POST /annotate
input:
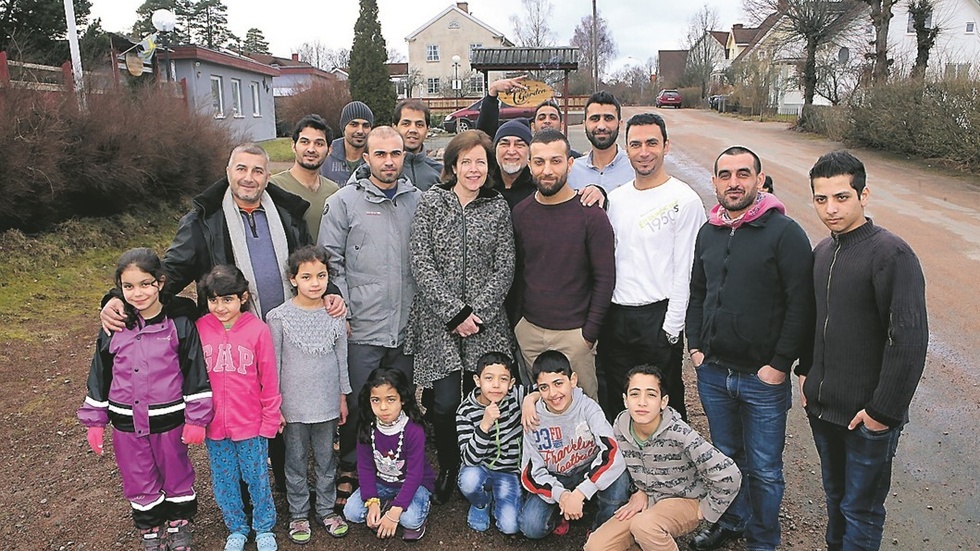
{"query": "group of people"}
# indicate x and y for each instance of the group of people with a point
(565, 283)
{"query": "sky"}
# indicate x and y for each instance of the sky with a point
(639, 27)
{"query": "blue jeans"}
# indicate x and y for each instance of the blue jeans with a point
(480, 485)
(857, 471)
(747, 421)
(232, 462)
(538, 517)
(412, 517)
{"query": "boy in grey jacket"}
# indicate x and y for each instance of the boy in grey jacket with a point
(678, 478)
(570, 457)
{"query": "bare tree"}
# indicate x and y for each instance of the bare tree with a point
(317, 54)
(532, 28)
(605, 50)
(925, 37)
(881, 16)
(703, 53)
(396, 56)
(837, 75)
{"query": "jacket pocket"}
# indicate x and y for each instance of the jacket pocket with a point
(737, 335)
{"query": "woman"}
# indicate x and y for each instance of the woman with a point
(463, 261)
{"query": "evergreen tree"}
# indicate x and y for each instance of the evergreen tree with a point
(255, 42)
(182, 9)
(209, 24)
(35, 30)
(369, 80)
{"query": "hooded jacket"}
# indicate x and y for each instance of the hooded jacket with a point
(335, 167)
(367, 237)
(751, 289)
(423, 171)
(676, 461)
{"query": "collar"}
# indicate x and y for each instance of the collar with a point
(856, 235)
(620, 153)
(394, 428)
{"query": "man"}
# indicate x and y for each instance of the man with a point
(606, 166)
(749, 318)
(346, 152)
(547, 114)
(869, 352)
(365, 228)
(412, 122)
(565, 251)
(655, 219)
(311, 145)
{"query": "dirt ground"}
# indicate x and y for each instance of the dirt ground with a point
(56, 495)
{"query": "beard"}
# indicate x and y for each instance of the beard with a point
(385, 179)
(311, 166)
(603, 142)
(547, 189)
(512, 168)
(740, 204)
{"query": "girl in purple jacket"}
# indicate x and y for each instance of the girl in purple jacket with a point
(149, 380)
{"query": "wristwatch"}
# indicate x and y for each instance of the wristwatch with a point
(672, 339)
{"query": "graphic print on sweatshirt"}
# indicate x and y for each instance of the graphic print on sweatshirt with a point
(660, 217)
(562, 453)
(224, 359)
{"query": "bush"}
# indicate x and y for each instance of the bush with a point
(129, 147)
(326, 100)
(691, 97)
(832, 121)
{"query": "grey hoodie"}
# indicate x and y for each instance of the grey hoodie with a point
(677, 462)
(422, 170)
(367, 235)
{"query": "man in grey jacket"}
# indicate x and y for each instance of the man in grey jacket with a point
(412, 122)
(365, 229)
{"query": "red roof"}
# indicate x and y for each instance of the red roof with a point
(222, 58)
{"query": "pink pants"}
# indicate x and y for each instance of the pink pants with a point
(155, 469)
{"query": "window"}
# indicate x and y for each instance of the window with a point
(474, 45)
(432, 86)
(476, 84)
(957, 70)
(911, 27)
(432, 52)
(236, 98)
(217, 97)
(256, 100)
(971, 27)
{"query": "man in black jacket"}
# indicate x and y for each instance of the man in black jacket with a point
(749, 319)
(869, 351)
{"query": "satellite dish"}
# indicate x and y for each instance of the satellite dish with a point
(164, 20)
(843, 55)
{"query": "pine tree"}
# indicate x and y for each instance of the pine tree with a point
(34, 30)
(182, 9)
(209, 24)
(369, 80)
(255, 42)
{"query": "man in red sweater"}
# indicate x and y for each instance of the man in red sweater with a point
(568, 270)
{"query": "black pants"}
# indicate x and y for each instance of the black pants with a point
(634, 335)
(441, 402)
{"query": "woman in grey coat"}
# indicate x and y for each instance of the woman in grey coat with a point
(462, 256)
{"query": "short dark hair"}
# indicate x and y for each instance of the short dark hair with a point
(550, 135)
(768, 186)
(603, 97)
(463, 142)
(646, 369)
(494, 358)
(548, 103)
(315, 122)
(551, 361)
(837, 163)
(739, 150)
(414, 105)
(646, 119)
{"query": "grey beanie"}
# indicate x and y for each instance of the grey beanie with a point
(517, 127)
(356, 110)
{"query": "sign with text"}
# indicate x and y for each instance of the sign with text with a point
(535, 93)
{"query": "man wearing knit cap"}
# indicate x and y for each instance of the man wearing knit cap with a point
(546, 114)
(511, 143)
(356, 120)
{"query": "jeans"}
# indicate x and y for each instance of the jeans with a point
(413, 517)
(747, 421)
(857, 470)
(480, 485)
(300, 438)
(538, 517)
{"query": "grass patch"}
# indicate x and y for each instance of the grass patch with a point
(280, 150)
(47, 281)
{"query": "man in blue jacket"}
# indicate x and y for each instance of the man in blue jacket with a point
(346, 152)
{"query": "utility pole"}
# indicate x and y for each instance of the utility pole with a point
(595, 48)
(76, 58)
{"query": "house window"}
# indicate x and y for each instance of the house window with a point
(971, 27)
(476, 84)
(957, 70)
(432, 52)
(256, 103)
(911, 27)
(432, 86)
(236, 97)
(217, 97)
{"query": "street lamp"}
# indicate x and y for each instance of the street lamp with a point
(457, 85)
(164, 21)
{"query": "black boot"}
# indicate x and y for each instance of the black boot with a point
(447, 451)
(713, 536)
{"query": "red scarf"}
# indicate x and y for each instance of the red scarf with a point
(764, 202)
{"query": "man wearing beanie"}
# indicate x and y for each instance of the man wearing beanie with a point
(511, 146)
(346, 152)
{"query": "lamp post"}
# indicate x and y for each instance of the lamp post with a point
(164, 21)
(457, 85)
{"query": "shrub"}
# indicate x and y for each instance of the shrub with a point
(831, 121)
(691, 97)
(324, 99)
(129, 147)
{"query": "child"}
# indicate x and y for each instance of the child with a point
(155, 392)
(570, 457)
(488, 423)
(391, 461)
(678, 477)
(311, 348)
(242, 364)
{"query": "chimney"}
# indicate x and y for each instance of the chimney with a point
(737, 26)
(295, 56)
(464, 6)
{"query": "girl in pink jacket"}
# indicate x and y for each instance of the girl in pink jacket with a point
(241, 364)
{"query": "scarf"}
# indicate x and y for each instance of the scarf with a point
(764, 202)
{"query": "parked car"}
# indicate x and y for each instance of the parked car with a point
(721, 102)
(669, 97)
(464, 119)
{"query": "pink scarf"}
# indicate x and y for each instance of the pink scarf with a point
(764, 202)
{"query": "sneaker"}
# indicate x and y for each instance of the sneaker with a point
(299, 531)
(335, 525)
(154, 539)
(179, 536)
(479, 519)
(235, 542)
(414, 535)
(561, 528)
(266, 541)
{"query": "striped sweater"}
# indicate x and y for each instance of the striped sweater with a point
(500, 449)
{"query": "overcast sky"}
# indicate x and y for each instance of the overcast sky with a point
(640, 27)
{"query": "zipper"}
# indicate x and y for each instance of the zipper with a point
(826, 320)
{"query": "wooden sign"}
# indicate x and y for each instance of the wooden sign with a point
(535, 93)
(134, 64)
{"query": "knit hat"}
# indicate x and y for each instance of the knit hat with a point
(517, 128)
(356, 110)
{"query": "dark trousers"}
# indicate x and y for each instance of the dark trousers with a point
(857, 471)
(634, 335)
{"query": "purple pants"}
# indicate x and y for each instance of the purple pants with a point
(157, 476)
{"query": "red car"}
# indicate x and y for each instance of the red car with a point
(465, 119)
(669, 97)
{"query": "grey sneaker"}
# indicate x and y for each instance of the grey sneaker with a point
(154, 539)
(179, 536)
(414, 535)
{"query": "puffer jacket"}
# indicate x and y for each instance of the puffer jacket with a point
(366, 235)
(423, 171)
(463, 263)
